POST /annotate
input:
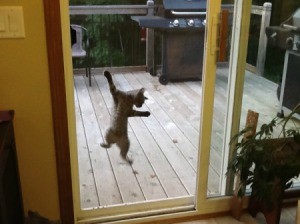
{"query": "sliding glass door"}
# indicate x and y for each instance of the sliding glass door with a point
(181, 150)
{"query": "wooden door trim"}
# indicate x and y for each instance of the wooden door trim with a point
(59, 108)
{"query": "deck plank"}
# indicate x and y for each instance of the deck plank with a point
(88, 192)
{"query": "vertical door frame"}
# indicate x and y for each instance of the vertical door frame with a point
(208, 91)
(237, 68)
(59, 109)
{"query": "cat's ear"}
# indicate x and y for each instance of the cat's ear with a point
(142, 90)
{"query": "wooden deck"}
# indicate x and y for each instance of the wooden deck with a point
(164, 146)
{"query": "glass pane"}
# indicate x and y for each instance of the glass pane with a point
(164, 145)
(265, 76)
(273, 91)
(271, 82)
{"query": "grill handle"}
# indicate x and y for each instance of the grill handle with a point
(290, 27)
(179, 13)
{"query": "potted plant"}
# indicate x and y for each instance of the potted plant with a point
(267, 163)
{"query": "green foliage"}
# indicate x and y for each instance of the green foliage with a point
(114, 39)
(106, 2)
(265, 162)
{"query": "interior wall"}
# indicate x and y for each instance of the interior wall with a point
(25, 88)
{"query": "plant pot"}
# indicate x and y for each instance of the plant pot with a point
(282, 148)
(283, 151)
(272, 215)
(270, 209)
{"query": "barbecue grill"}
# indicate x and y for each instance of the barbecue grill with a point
(181, 24)
(287, 37)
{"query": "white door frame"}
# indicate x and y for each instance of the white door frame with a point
(237, 65)
(237, 68)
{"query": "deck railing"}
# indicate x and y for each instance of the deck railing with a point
(108, 10)
(265, 13)
(84, 10)
(257, 45)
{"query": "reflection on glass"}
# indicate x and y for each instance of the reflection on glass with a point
(276, 91)
(271, 84)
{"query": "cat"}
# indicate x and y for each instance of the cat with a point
(122, 109)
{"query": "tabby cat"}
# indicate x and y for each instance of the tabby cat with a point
(122, 109)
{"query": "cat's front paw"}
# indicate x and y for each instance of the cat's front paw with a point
(130, 161)
(147, 114)
(104, 145)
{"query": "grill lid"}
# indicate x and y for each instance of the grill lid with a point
(185, 5)
(287, 35)
(293, 23)
(177, 14)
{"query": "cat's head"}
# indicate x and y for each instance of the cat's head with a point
(139, 98)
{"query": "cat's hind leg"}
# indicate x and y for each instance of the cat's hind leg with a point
(124, 144)
(109, 139)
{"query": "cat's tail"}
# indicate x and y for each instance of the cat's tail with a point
(108, 76)
(112, 86)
